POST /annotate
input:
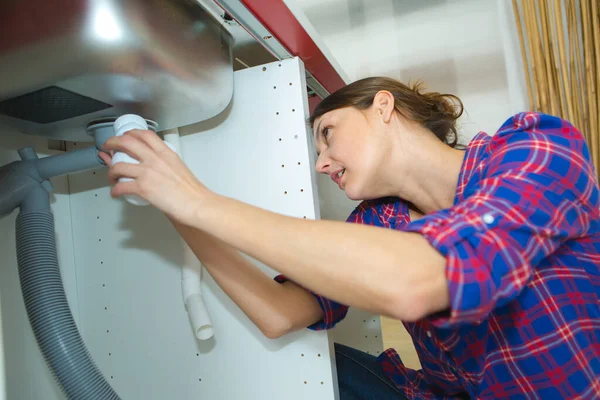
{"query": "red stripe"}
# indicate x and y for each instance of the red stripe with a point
(280, 21)
(313, 102)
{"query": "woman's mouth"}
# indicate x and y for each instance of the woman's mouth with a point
(337, 177)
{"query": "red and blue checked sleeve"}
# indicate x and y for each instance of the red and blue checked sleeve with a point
(333, 312)
(535, 191)
(387, 212)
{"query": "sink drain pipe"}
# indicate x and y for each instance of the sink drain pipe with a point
(24, 184)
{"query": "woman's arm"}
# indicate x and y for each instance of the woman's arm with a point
(274, 308)
(388, 272)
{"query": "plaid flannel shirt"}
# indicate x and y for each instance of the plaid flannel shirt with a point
(522, 246)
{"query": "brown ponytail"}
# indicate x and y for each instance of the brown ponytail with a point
(435, 111)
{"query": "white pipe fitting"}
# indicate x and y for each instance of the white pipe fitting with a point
(124, 124)
(191, 272)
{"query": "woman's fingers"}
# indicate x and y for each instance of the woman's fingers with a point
(104, 157)
(150, 138)
(161, 177)
(124, 188)
(124, 170)
(130, 144)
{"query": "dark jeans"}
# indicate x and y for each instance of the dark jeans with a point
(360, 377)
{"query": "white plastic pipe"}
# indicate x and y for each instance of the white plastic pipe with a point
(191, 272)
(123, 124)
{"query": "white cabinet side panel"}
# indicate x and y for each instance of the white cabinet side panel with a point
(128, 260)
(27, 375)
(360, 330)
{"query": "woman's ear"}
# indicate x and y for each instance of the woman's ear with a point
(384, 105)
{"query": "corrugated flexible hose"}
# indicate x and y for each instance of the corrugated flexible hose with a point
(49, 312)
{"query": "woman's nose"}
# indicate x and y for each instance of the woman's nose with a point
(323, 164)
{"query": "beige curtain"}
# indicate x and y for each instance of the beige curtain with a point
(560, 47)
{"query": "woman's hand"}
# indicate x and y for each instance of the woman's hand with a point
(161, 177)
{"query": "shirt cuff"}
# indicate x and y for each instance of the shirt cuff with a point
(468, 275)
(332, 312)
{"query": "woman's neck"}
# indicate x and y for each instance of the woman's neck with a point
(431, 178)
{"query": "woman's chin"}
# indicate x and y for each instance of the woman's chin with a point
(357, 193)
(352, 193)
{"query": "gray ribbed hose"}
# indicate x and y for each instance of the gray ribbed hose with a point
(49, 312)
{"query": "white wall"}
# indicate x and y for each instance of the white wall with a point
(455, 46)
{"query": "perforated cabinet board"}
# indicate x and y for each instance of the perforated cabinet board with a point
(128, 261)
(121, 266)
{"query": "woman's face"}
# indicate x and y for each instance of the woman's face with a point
(350, 144)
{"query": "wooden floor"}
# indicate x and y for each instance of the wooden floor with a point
(395, 336)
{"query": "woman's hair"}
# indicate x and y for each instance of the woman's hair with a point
(435, 111)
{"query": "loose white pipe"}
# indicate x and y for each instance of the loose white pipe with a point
(191, 271)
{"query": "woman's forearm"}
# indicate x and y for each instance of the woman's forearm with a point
(274, 308)
(384, 271)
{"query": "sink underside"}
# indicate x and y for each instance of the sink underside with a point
(66, 63)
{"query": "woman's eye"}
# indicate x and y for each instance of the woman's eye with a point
(325, 133)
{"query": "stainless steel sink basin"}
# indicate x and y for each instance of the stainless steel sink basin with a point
(65, 63)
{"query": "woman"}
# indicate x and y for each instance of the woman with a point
(496, 278)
